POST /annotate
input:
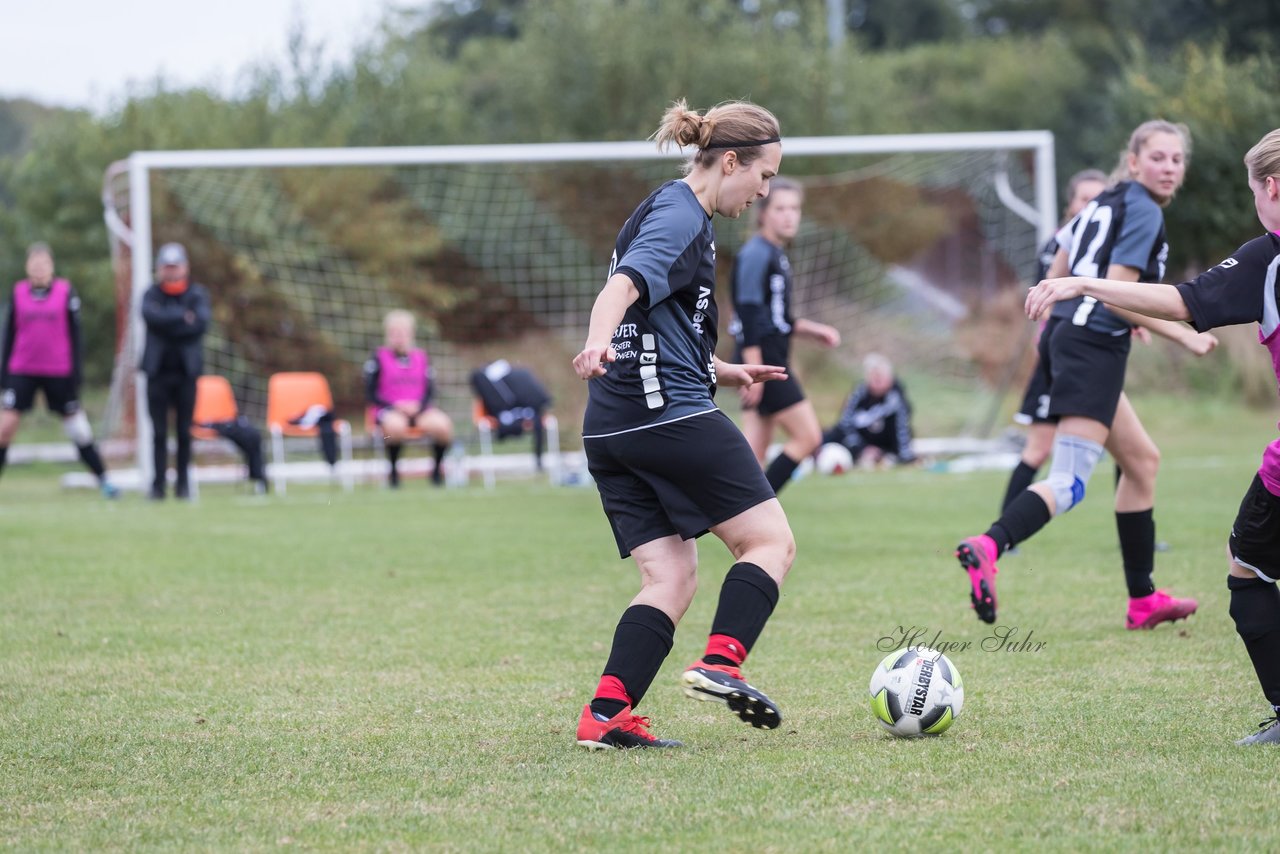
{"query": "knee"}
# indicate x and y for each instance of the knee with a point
(444, 429)
(788, 553)
(1036, 456)
(1150, 461)
(677, 585)
(76, 428)
(687, 586)
(1254, 608)
(809, 441)
(777, 556)
(1141, 467)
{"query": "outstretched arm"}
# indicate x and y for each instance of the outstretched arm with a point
(750, 395)
(1153, 306)
(729, 374)
(1140, 298)
(827, 336)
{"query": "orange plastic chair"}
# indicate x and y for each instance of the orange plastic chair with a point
(486, 426)
(289, 395)
(214, 402)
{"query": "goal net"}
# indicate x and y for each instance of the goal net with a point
(914, 246)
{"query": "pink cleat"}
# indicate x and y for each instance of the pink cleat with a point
(977, 556)
(1146, 612)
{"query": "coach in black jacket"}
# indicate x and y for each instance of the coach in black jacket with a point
(176, 312)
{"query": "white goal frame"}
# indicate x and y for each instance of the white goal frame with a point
(1040, 212)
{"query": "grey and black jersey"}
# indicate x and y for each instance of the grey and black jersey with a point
(1123, 225)
(666, 341)
(1045, 259)
(761, 284)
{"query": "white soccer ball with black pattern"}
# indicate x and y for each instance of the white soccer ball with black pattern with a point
(834, 458)
(916, 692)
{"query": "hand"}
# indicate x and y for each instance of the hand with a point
(1042, 297)
(1142, 333)
(591, 361)
(1202, 343)
(738, 376)
(750, 395)
(828, 336)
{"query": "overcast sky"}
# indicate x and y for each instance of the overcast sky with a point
(85, 53)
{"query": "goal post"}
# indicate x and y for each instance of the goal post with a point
(316, 244)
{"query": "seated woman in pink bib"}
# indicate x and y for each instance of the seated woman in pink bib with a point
(398, 390)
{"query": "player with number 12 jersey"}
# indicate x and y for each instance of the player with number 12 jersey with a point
(1083, 353)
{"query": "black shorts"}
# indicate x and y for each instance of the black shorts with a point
(682, 477)
(1084, 370)
(60, 394)
(1255, 534)
(1035, 400)
(381, 411)
(778, 394)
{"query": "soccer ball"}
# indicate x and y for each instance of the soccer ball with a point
(915, 692)
(834, 458)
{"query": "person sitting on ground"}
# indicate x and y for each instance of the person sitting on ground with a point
(875, 424)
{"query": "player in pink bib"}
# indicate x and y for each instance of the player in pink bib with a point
(42, 353)
(398, 389)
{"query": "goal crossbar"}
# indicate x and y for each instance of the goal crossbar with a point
(1040, 212)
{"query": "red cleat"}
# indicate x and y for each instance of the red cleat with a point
(623, 730)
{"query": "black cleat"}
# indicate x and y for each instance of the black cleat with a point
(723, 683)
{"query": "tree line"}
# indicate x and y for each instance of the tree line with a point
(493, 71)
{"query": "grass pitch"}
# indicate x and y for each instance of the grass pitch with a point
(404, 671)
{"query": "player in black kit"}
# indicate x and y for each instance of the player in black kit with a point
(669, 465)
(1083, 352)
(1242, 289)
(763, 324)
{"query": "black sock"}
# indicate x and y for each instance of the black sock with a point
(4, 455)
(1137, 532)
(747, 599)
(1019, 480)
(1255, 608)
(640, 644)
(1025, 515)
(89, 455)
(437, 472)
(393, 457)
(779, 471)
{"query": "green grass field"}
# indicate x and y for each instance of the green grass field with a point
(404, 671)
